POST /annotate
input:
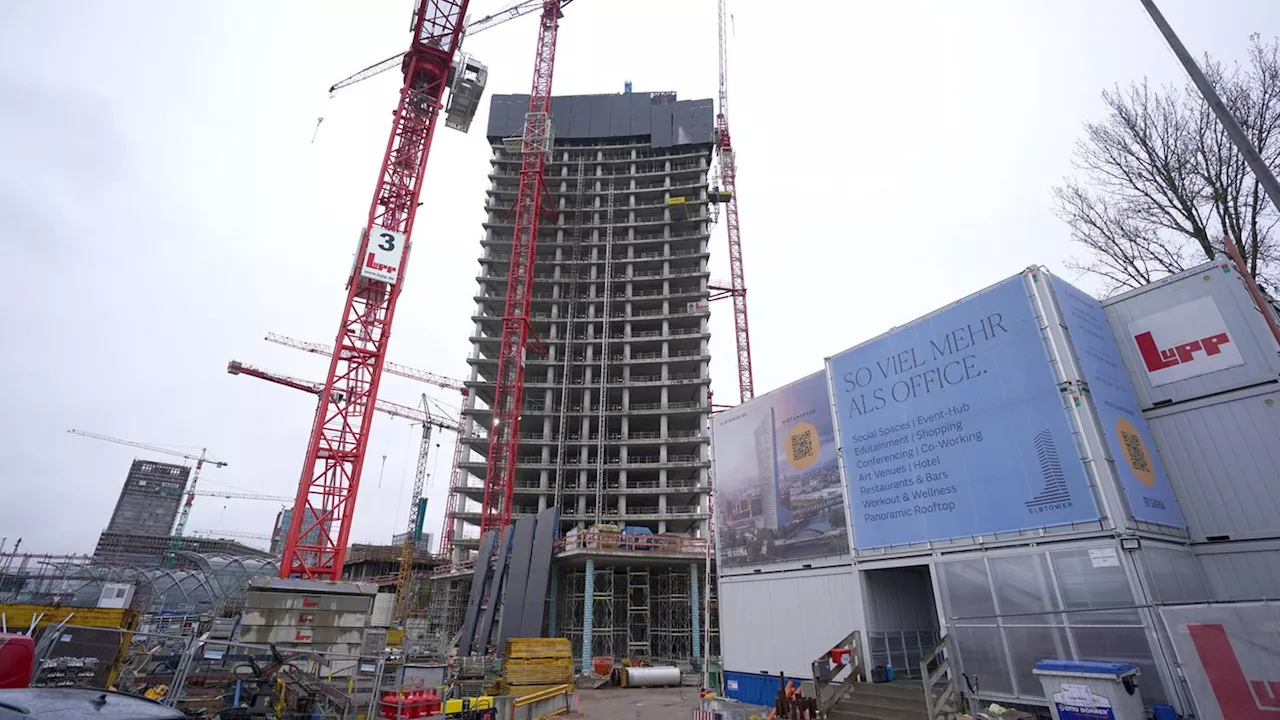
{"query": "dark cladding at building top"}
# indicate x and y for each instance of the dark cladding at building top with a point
(666, 120)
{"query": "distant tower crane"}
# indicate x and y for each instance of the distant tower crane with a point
(414, 530)
(535, 145)
(727, 195)
(175, 543)
(315, 545)
(440, 381)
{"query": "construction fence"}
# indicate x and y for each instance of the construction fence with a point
(203, 677)
(1229, 657)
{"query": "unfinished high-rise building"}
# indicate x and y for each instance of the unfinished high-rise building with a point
(150, 498)
(614, 424)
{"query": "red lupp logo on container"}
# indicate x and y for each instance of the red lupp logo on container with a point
(1185, 341)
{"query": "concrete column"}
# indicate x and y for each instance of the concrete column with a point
(589, 595)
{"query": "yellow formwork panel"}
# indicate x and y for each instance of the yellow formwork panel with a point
(395, 636)
(518, 648)
(19, 616)
(537, 671)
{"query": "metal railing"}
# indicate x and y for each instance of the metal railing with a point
(941, 695)
(832, 681)
(553, 701)
(592, 540)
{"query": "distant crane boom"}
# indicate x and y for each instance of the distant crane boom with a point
(218, 534)
(402, 411)
(488, 21)
(326, 350)
(244, 496)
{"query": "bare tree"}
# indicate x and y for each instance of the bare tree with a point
(1160, 183)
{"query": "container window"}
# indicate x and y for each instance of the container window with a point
(967, 589)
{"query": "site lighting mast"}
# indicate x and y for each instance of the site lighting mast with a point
(316, 543)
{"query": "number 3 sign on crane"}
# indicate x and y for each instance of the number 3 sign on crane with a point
(384, 256)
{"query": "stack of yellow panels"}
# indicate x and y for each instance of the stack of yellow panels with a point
(532, 665)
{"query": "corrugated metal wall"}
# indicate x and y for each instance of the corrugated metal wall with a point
(1241, 571)
(1222, 455)
(783, 621)
(1246, 326)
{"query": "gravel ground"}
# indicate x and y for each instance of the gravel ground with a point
(638, 704)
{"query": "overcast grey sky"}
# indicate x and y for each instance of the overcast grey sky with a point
(162, 208)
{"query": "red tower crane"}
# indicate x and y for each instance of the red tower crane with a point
(535, 145)
(728, 179)
(316, 543)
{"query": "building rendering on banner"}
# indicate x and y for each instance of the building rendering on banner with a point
(779, 480)
(614, 426)
(999, 460)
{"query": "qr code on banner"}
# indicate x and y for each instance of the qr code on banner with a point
(1137, 452)
(802, 445)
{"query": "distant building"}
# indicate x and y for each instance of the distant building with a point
(150, 550)
(281, 530)
(424, 542)
(150, 499)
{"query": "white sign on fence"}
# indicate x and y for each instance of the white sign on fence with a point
(1230, 655)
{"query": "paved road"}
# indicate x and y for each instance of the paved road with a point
(638, 704)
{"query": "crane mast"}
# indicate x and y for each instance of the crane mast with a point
(728, 180)
(316, 543)
(535, 145)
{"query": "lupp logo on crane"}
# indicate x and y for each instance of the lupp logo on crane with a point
(1185, 341)
(383, 256)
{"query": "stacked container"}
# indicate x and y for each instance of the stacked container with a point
(1206, 368)
(321, 617)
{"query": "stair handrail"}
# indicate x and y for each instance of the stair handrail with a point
(833, 681)
(940, 657)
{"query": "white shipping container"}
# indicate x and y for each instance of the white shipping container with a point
(1222, 455)
(1191, 335)
(811, 610)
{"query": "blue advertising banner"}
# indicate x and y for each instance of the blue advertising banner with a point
(1146, 487)
(953, 426)
(778, 494)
